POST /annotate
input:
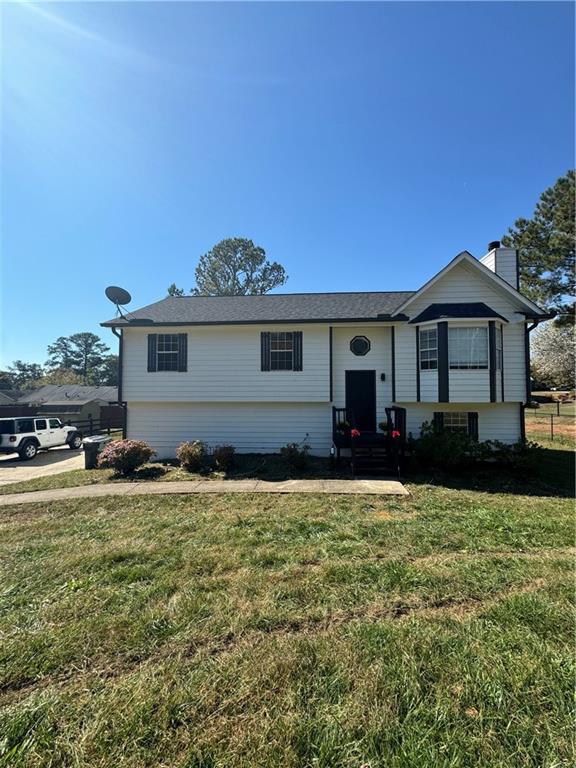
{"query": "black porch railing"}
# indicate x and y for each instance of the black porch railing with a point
(376, 451)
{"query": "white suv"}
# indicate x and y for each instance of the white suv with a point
(27, 435)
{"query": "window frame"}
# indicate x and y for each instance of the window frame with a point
(456, 360)
(499, 347)
(174, 353)
(463, 421)
(287, 352)
(424, 346)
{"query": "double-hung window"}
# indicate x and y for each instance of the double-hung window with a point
(498, 338)
(428, 349)
(167, 352)
(468, 348)
(281, 350)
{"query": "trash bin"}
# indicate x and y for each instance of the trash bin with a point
(92, 447)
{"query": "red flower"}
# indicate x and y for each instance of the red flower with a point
(395, 434)
(355, 433)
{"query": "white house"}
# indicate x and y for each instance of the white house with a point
(262, 371)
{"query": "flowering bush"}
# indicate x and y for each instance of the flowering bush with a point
(355, 433)
(191, 455)
(295, 456)
(224, 456)
(124, 456)
(395, 434)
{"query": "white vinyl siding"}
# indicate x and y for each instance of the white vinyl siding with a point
(224, 364)
(379, 359)
(249, 427)
(514, 368)
(405, 353)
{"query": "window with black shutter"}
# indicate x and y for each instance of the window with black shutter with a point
(281, 350)
(457, 421)
(168, 352)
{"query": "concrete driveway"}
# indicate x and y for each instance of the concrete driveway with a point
(51, 462)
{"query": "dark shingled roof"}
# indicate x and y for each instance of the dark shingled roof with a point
(270, 308)
(461, 310)
(69, 394)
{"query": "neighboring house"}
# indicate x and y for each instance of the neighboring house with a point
(70, 402)
(9, 396)
(261, 371)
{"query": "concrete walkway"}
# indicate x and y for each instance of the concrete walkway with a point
(371, 487)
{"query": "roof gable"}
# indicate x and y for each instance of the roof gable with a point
(465, 259)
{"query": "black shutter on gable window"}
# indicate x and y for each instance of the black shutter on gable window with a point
(297, 363)
(265, 351)
(473, 425)
(182, 352)
(438, 421)
(152, 347)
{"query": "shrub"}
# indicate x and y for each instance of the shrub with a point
(224, 456)
(441, 448)
(444, 449)
(124, 456)
(295, 455)
(191, 455)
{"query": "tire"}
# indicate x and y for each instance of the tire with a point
(28, 451)
(75, 442)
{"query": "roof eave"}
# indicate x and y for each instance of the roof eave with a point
(268, 321)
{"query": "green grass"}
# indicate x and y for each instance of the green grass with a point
(294, 631)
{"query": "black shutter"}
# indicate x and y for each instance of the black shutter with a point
(182, 352)
(265, 351)
(297, 345)
(152, 346)
(438, 421)
(473, 425)
(443, 372)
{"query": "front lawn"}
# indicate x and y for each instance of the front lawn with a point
(290, 631)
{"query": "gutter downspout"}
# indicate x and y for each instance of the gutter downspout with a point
(527, 331)
(120, 337)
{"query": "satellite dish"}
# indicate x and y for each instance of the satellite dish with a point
(117, 295)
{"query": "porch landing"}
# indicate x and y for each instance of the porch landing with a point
(355, 486)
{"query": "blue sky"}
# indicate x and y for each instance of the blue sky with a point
(362, 145)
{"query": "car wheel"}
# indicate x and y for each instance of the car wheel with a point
(75, 443)
(28, 451)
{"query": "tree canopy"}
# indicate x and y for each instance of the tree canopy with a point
(553, 357)
(546, 246)
(234, 267)
(84, 354)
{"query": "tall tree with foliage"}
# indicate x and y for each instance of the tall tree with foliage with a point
(24, 375)
(58, 376)
(546, 246)
(89, 353)
(553, 355)
(235, 267)
(61, 354)
(173, 290)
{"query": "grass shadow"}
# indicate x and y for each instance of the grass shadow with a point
(553, 475)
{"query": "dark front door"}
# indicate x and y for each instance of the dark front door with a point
(361, 399)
